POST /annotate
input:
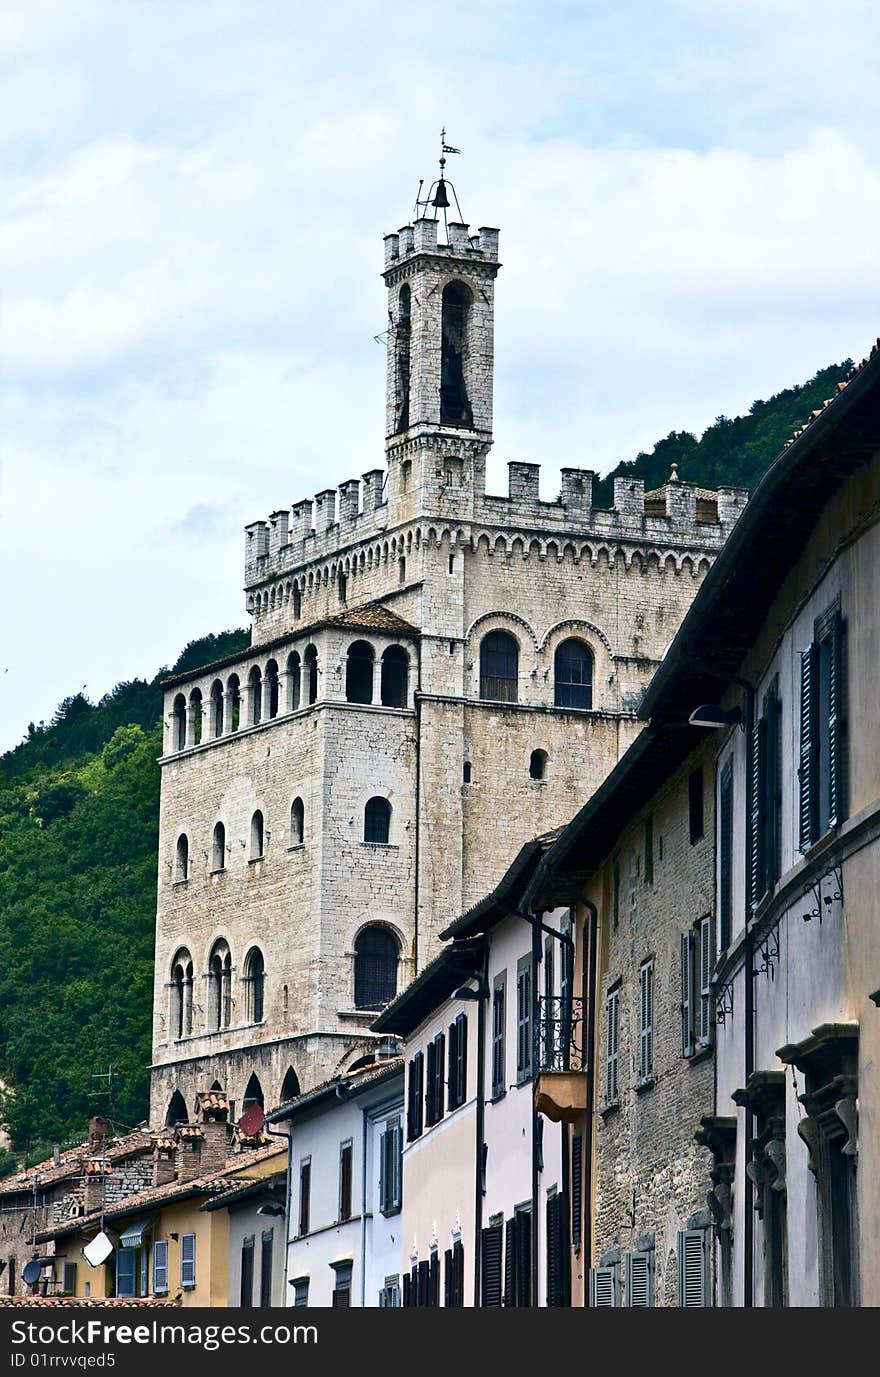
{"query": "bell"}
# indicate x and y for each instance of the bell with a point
(441, 200)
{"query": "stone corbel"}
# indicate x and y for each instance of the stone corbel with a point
(848, 1114)
(720, 1202)
(808, 1130)
(755, 1173)
(775, 1153)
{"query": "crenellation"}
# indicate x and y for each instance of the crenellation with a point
(349, 500)
(522, 482)
(629, 498)
(577, 490)
(279, 524)
(325, 510)
(731, 503)
(374, 490)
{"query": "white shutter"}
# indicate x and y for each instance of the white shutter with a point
(687, 993)
(160, 1267)
(693, 1268)
(603, 1287)
(639, 1280)
(705, 939)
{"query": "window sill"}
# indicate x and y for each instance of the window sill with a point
(647, 1084)
(523, 1077)
(220, 870)
(179, 884)
(297, 846)
(609, 1109)
(380, 846)
(701, 1053)
(392, 1210)
(497, 1095)
(256, 860)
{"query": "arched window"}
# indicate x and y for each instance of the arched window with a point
(272, 686)
(573, 675)
(538, 764)
(253, 1093)
(176, 1113)
(467, 772)
(359, 673)
(455, 408)
(218, 849)
(233, 691)
(402, 340)
(375, 968)
(195, 704)
(219, 987)
(289, 1086)
(215, 1085)
(178, 733)
(395, 677)
(294, 672)
(377, 821)
(310, 663)
(257, 836)
(181, 858)
(297, 822)
(255, 975)
(297, 602)
(181, 995)
(216, 708)
(499, 667)
(255, 696)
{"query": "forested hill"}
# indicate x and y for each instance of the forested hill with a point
(731, 452)
(78, 835)
(79, 804)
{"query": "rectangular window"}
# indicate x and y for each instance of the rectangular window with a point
(342, 1285)
(612, 1044)
(725, 856)
(415, 1096)
(266, 1244)
(434, 1079)
(649, 850)
(822, 756)
(458, 1062)
(693, 1268)
(160, 1267)
(126, 1261)
(305, 1191)
(390, 1167)
(524, 1019)
(499, 1067)
(246, 1294)
(389, 1296)
(301, 1291)
(704, 946)
(345, 1165)
(187, 1260)
(695, 804)
(646, 1021)
(68, 1278)
(697, 960)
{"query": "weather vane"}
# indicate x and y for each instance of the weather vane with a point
(438, 194)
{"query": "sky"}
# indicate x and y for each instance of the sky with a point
(193, 196)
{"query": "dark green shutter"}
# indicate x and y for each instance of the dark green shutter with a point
(693, 1268)
(755, 848)
(806, 770)
(458, 1273)
(462, 1057)
(836, 725)
(556, 1261)
(577, 1195)
(491, 1242)
(687, 993)
(725, 842)
(452, 1086)
(523, 1251)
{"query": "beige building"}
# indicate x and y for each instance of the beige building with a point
(436, 673)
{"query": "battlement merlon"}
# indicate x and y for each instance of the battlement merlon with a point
(421, 238)
(335, 519)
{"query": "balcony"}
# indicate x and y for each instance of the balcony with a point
(561, 1087)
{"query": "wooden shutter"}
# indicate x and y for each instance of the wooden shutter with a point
(836, 724)
(452, 1087)
(725, 863)
(510, 1262)
(246, 1289)
(434, 1280)
(612, 1037)
(418, 1086)
(577, 1194)
(556, 1259)
(603, 1287)
(396, 1152)
(706, 963)
(755, 848)
(68, 1278)
(806, 770)
(646, 1020)
(305, 1183)
(160, 1267)
(407, 1290)
(499, 1072)
(125, 1271)
(639, 1280)
(448, 1279)
(491, 1241)
(384, 1173)
(523, 1237)
(266, 1245)
(439, 1076)
(461, 1087)
(345, 1163)
(772, 787)
(187, 1259)
(458, 1273)
(410, 1093)
(693, 1268)
(687, 993)
(430, 1096)
(423, 1282)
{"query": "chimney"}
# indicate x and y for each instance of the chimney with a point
(189, 1152)
(100, 1130)
(213, 1115)
(95, 1187)
(164, 1159)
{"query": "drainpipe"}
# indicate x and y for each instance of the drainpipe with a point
(480, 1125)
(749, 1015)
(288, 1196)
(364, 1209)
(588, 998)
(416, 845)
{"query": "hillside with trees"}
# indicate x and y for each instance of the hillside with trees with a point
(78, 838)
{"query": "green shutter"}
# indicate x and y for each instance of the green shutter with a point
(491, 1243)
(706, 963)
(687, 993)
(693, 1268)
(510, 1262)
(806, 771)
(755, 847)
(603, 1287)
(836, 724)
(639, 1280)
(725, 862)
(577, 1195)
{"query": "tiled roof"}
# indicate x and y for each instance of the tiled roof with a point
(351, 1082)
(72, 1162)
(152, 1301)
(242, 1189)
(373, 617)
(154, 1196)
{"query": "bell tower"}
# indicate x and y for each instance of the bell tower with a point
(440, 281)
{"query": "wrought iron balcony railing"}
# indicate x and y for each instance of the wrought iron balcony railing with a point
(560, 1034)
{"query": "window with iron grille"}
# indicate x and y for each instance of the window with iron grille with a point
(524, 1019)
(499, 1068)
(499, 667)
(375, 968)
